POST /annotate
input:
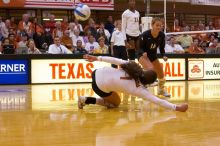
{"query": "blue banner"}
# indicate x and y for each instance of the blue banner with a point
(13, 71)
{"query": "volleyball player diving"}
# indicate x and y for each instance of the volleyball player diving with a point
(130, 78)
(149, 41)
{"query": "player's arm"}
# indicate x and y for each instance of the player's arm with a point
(112, 42)
(147, 95)
(123, 23)
(162, 48)
(107, 59)
(141, 47)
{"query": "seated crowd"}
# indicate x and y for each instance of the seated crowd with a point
(56, 37)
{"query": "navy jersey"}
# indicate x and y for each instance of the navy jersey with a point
(150, 44)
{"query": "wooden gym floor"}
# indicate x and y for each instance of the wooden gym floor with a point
(47, 115)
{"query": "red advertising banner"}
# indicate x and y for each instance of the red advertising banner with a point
(12, 3)
(98, 4)
(62, 4)
(58, 4)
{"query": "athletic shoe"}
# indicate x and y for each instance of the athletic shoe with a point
(182, 107)
(163, 93)
(81, 102)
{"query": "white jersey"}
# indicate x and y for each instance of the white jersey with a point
(130, 23)
(118, 38)
(110, 79)
(61, 49)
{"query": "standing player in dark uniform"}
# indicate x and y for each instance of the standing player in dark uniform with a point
(150, 40)
(131, 28)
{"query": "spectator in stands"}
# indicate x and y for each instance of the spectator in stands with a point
(5, 28)
(177, 27)
(6, 42)
(211, 40)
(37, 27)
(77, 37)
(102, 29)
(92, 28)
(50, 25)
(91, 45)
(192, 28)
(57, 32)
(66, 40)
(86, 36)
(195, 48)
(32, 48)
(214, 43)
(109, 25)
(13, 24)
(12, 31)
(65, 23)
(79, 48)
(211, 25)
(43, 40)
(200, 26)
(101, 33)
(25, 25)
(185, 26)
(118, 42)
(78, 26)
(185, 41)
(24, 40)
(12, 39)
(173, 47)
(213, 47)
(2, 24)
(103, 48)
(72, 27)
(57, 48)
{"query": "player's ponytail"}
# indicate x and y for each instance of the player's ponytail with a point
(140, 76)
(134, 70)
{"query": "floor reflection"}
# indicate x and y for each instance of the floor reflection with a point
(48, 115)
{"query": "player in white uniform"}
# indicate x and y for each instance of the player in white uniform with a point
(129, 79)
(131, 28)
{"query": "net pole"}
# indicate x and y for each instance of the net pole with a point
(174, 14)
(165, 16)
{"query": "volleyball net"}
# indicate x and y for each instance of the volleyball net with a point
(187, 29)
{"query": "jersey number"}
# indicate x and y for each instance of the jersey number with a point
(136, 19)
(153, 46)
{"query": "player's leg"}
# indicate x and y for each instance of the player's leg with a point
(146, 63)
(110, 101)
(131, 48)
(116, 54)
(161, 79)
(123, 53)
